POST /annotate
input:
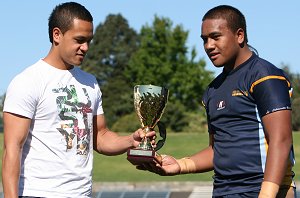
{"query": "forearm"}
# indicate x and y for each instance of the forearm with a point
(278, 133)
(276, 164)
(204, 160)
(198, 163)
(277, 158)
(110, 143)
(10, 173)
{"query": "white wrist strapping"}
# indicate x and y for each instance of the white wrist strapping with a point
(186, 165)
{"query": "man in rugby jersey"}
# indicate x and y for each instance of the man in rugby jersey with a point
(249, 117)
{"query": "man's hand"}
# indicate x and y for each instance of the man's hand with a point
(169, 166)
(140, 134)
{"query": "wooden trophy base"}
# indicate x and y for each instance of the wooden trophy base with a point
(140, 156)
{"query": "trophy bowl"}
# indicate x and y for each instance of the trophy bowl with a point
(149, 102)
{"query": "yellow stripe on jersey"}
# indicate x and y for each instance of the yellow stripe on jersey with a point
(203, 103)
(268, 78)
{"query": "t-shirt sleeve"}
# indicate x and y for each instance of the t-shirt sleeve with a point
(272, 93)
(21, 98)
(98, 104)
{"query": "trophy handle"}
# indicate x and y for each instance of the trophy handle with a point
(163, 134)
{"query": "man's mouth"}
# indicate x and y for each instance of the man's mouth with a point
(213, 56)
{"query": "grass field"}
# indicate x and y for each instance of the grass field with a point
(118, 169)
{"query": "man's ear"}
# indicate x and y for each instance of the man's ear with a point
(56, 35)
(240, 36)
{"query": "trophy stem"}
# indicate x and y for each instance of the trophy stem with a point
(145, 143)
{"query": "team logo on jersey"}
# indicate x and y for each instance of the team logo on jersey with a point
(221, 105)
(239, 93)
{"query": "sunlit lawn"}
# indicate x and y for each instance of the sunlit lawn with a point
(117, 168)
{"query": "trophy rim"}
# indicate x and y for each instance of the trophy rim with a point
(138, 89)
(149, 85)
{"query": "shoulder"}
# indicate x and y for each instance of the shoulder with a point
(83, 74)
(31, 81)
(85, 78)
(266, 78)
(217, 82)
(262, 67)
(27, 76)
(22, 93)
(260, 70)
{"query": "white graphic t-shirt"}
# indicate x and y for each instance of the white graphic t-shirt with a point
(57, 156)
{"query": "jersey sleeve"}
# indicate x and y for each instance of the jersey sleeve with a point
(205, 105)
(272, 93)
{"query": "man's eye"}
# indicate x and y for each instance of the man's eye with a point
(216, 37)
(80, 41)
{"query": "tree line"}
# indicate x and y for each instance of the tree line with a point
(121, 58)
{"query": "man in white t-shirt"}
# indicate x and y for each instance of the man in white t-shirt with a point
(53, 117)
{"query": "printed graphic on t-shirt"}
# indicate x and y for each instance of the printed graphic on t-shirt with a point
(76, 118)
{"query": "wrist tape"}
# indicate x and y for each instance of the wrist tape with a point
(268, 190)
(186, 165)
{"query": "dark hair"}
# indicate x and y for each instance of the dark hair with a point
(63, 15)
(235, 19)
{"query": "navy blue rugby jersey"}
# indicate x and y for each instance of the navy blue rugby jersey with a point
(235, 102)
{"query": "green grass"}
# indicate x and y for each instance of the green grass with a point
(117, 168)
(179, 145)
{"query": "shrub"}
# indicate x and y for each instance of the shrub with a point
(127, 123)
(296, 114)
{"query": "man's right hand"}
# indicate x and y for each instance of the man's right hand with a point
(169, 166)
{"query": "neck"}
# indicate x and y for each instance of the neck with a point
(243, 55)
(55, 60)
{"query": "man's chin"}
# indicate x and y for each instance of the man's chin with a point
(216, 64)
(78, 63)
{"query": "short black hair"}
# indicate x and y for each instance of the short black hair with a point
(235, 18)
(63, 16)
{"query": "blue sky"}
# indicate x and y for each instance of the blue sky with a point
(273, 27)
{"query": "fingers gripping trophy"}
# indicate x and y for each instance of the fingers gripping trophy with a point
(149, 102)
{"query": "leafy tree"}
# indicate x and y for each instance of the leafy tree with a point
(295, 80)
(113, 44)
(296, 114)
(2, 102)
(120, 58)
(129, 122)
(163, 59)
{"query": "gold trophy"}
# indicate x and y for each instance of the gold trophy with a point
(149, 102)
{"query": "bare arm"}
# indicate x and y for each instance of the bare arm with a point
(278, 132)
(197, 163)
(204, 159)
(110, 143)
(16, 129)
